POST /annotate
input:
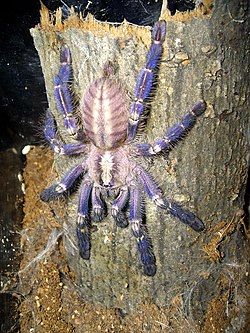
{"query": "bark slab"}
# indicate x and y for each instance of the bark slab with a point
(205, 57)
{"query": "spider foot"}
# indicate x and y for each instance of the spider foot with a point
(120, 219)
(199, 108)
(149, 269)
(83, 250)
(185, 216)
(99, 209)
(147, 256)
(83, 235)
(144, 247)
(159, 32)
(98, 214)
(51, 193)
(118, 206)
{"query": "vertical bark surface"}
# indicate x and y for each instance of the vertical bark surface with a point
(205, 57)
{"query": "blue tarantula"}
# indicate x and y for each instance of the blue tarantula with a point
(109, 167)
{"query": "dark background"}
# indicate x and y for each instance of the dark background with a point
(22, 104)
(22, 92)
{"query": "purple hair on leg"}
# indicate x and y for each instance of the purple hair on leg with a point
(83, 221)
(155, 194)
(57, 190)
(145, 79)
(63, 96)
(118, 206)
(50, 133)
(143, 242)
(98, 207)
(173, 135)
(55, 144)
(184, 215)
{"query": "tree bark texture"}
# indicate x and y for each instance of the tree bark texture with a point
(205, 57)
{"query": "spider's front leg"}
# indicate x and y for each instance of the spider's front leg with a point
(173, 135)
(63, 96)
(56, 144)
(145, 79)
(144, 244)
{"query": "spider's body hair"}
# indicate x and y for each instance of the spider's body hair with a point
(110, 169)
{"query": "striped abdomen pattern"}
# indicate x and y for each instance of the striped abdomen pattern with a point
(105, 113)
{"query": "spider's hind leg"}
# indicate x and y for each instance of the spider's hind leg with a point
(56, 190)
(154, 193)
(144, 244)
(83, 220)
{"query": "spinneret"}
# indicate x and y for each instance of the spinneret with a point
(110, 166)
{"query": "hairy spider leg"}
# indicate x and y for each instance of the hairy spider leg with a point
(144, 244)
(59, 147)
(184, 215)
(56, 190)
(62, 94)
(118, 205)
(155, 194)
(98, 207)
(83, 220)
(145, 79)
(174, 134)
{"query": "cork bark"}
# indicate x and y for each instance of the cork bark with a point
(205, 57)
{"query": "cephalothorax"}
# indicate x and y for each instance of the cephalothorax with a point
(109, 165)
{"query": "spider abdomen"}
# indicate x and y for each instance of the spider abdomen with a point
(105, 113)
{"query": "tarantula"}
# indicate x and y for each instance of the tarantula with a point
(109, 167)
